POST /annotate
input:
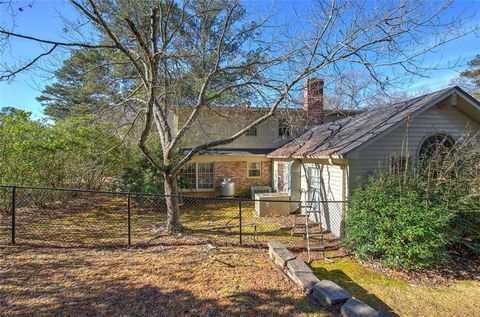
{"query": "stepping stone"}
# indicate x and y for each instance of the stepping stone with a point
(275, 245)
(281, 256)
(304, 280)
(298, 266)
(355, 308)
(328, 293)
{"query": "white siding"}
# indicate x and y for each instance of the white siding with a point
(331, 192)
(330, 195)
(331, 181)
(211, 126)
(408, 138)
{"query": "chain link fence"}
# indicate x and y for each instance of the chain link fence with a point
(83, 218)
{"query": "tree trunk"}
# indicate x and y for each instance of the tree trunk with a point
(171, 198)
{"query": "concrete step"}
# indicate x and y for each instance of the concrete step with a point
(355, 308)
(280, 256)
(304, 280)
(275, 245)
(328, 293)
(298, 266)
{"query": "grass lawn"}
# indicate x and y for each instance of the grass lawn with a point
(47, 274)
(154, 281)
(460, 298)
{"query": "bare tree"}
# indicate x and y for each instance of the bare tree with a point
(200, 54)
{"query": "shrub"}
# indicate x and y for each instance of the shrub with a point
(415, 218)
(395, 226)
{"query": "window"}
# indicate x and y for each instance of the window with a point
(314, 182)
(283, 129)
(254, 169)
(189, 174)
(252, 131)
(205, 176)
(399, 163)
(197, 176)
(434, 145)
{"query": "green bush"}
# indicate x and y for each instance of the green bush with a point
(67, 153)
(398, 227)
(417, 217)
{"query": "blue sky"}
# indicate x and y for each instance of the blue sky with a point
(43, 20)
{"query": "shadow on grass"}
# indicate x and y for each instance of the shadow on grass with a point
(355, 290)
(70, 286)
(152, 301)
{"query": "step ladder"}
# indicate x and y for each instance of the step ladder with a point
(311, 230)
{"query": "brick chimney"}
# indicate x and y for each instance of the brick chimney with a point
(313, 100)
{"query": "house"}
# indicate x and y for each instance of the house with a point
(328, 161)
(245, 160)
(312, 154)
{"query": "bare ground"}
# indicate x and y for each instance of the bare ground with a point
(155, 281)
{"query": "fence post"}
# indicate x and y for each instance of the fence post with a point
(14, 192)
(129, 221)
(240, 219)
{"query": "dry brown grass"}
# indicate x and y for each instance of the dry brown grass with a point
(155, 281)
(101, 220)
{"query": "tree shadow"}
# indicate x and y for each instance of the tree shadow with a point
(50, 285)
(354, 289)
(152, 301)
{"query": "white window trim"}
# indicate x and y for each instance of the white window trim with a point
(248, 169)
(196, 189)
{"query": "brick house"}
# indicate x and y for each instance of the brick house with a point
(245, 160)
(313, 154)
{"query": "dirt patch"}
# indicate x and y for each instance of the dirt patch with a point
(155, 281)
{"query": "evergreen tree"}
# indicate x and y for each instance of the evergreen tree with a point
(471, 76)
(88, 82)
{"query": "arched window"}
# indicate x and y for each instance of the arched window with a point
(434, 145)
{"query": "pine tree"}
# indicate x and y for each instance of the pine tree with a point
(472, 75)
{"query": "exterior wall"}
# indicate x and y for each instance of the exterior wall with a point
(238, 172)
(331, 181)
(236, 168)
(214, 126)
(330, 196)
(217, 124)
(331, 192)
(407, 139)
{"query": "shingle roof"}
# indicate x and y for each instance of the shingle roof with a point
(339, 137)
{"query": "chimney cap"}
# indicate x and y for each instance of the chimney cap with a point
(314, 80)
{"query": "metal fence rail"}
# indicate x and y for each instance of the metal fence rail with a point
(79, 218)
